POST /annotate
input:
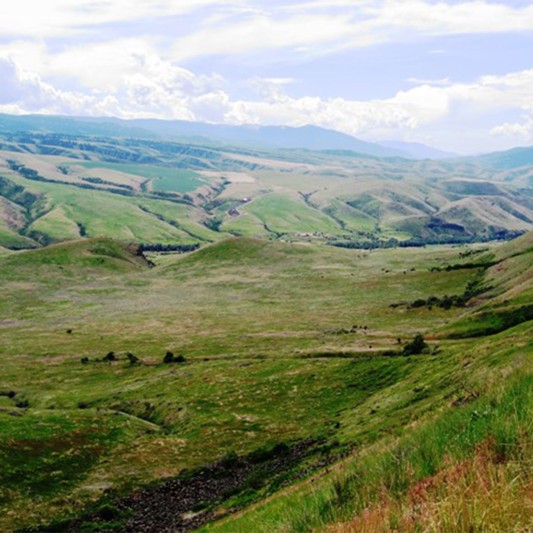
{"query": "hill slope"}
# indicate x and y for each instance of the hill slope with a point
(463, 466)
(296, 357)
(56, 187)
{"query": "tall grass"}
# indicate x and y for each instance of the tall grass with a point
(468, 470)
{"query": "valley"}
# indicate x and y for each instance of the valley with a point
(151, 191)
(294, 351)
(198, 333)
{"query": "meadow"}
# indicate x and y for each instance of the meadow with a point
(294, 382)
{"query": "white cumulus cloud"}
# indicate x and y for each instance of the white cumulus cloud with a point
(161, 89)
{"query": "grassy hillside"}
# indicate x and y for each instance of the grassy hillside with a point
(461, 465)
(296, 358)
(55, 187)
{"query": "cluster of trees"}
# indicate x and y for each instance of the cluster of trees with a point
(181, 248)
(472, 289)
(111, 357)
(463, 266)
(100, 181)
(18, 194)
(173, 197)
(213, 223)
(417, 346)
(418, 242)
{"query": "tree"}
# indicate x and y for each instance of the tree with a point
(416, 346)
(110, 356)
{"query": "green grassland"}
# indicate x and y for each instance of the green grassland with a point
(101, 213)
(283, 343)
(295, 373)
(163, 178)
(167, 192)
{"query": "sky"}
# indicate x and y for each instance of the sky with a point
(457, 75)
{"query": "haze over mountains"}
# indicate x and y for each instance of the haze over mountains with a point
(307, 137)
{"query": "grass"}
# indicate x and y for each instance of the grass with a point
(286, 215)
(56, 225)
(104, 214)
(292, 194)
(163, 178)
(417, 480)
(283, 343)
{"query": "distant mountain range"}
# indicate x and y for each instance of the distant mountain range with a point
(509, 159)
(417, 150)
(282, 137)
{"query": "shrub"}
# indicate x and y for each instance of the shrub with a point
(110, 357)
(416, 346)
(230, 460)
(171, 358)
(132, 358)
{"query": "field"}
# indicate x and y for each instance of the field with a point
(295, 358)
(58, 187)
(159, 178)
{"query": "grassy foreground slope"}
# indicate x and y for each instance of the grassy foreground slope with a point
(466, 465)
(293, 361)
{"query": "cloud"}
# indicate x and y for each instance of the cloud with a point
(522, 131)
(157, 88)
(314, 28)
(37, 18)
(443, 82)
(26, 92)
(244, 26)
(266, 32)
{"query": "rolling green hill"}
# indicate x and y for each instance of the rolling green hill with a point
(296, 366)
(57, 187)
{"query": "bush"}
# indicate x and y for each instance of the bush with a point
(110, 357)
(230, 460)
(171, 358)
(416, 346)
(132, 358)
